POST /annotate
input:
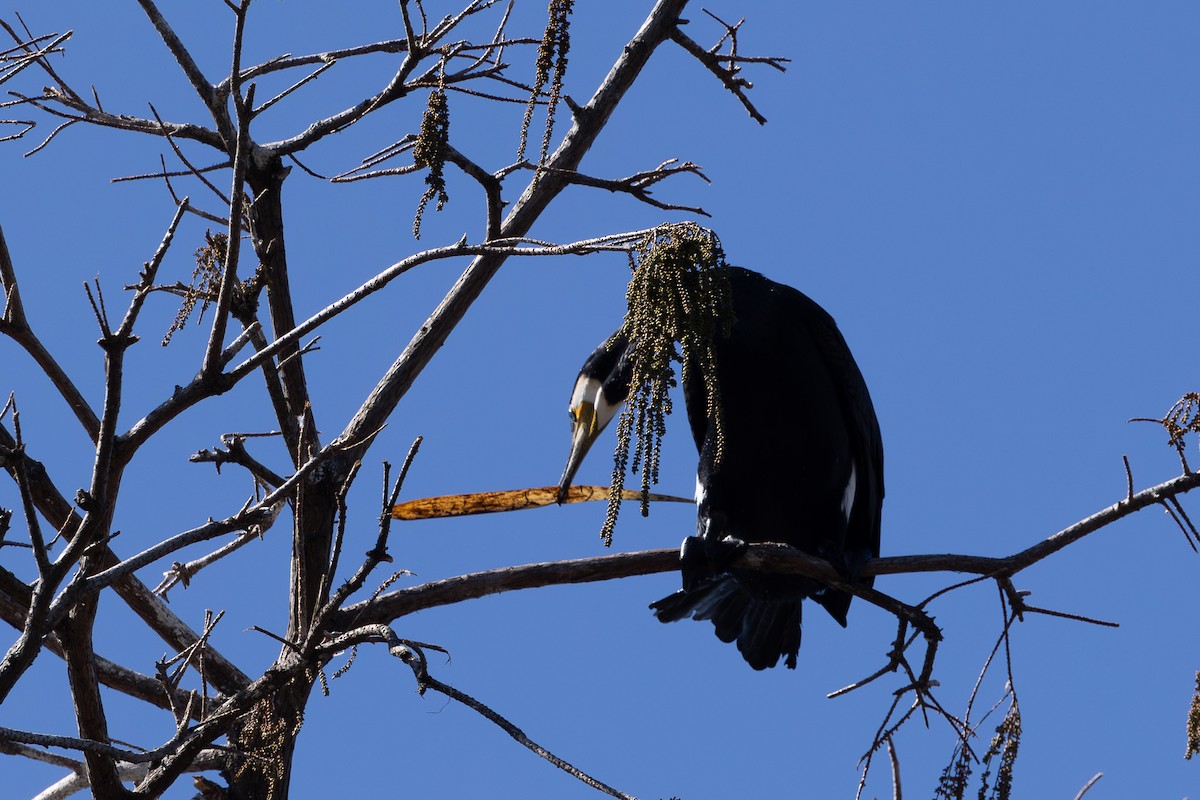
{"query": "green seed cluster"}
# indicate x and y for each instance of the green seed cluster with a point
(678, 303)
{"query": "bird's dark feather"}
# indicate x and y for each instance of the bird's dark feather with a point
(797, 418)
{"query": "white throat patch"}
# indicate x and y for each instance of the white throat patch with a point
(591, 392)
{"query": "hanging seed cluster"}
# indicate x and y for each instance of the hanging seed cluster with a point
(678, 302)
(430, 151)
(550, 68)
(999, 763)
(1002, 756)
(1182, 419)
(206, 281)
(206, 286)
(1193, 723)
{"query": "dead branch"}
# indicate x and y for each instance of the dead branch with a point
(312, 76)
(235, 453)
(28, 51)
(15, 325)
(1091, 782)
(588, 123)
(490, 183)
(27, 126)
(728, 72)
(766, 557)
(14, 607)
(285, 62)
(59, 104)
(212, 98)
(190, 168)
(57, 612)
(54, 508)
(216, 338)
(412, 653)
(638, 185)
(31, 53)
(78, 782)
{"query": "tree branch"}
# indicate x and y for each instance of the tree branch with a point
(207, 93)
(588, 123)
(16, 326)
(411, 653)
(767, 557)
(158, 617)
(728, 73)
(638, 185)
(14, 606)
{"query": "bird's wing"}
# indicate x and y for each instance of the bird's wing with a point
(859, 411)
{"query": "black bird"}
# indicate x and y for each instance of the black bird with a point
(802, 464)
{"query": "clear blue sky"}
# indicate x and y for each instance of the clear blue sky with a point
(998, 203)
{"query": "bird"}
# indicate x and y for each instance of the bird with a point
(801, 463)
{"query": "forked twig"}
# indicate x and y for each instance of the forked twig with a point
(412, 653)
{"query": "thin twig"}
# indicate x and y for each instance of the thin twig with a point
(1092, 782)
(897, 794)
(411, 653)
(312, 76)
(216, 338)
(728, 74)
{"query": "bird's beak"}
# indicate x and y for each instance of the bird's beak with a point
(584, 432)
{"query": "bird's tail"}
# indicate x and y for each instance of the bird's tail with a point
(764, 628)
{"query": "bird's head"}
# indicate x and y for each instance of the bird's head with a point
(600, 389)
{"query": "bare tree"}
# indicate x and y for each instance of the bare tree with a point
(260, 716)
(246, 725)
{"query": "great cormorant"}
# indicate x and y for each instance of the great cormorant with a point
(802, 464)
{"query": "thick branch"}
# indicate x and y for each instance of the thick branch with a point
(767, 557)
(85, 696)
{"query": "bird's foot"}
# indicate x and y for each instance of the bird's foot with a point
(702, 559)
